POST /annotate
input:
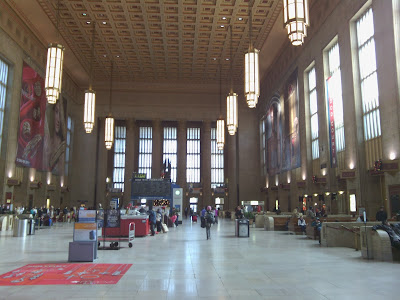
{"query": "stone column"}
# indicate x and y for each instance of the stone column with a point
(181, 164)
(101, 166)
(231, 200)
(157, 149)
(206, 162)
(130, 162)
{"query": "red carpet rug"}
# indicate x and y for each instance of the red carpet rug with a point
(43, 274)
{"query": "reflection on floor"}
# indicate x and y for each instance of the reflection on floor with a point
(182, 264)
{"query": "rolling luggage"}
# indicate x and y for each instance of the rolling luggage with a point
(194, 219)
(164, 228)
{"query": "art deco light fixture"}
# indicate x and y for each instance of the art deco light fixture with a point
(109, 124)
(251, 70)
(54, 68)
(90, 95)
(231, 101)
(296, 20)
(220, 121)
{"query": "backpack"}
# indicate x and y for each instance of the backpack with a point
(210, 218)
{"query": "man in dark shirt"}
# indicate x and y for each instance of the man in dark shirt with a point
(381, 215)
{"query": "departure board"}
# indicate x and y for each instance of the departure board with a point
(151, 189)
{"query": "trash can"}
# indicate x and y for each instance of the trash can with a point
(20, 227)
(243, 229)
(31, 226)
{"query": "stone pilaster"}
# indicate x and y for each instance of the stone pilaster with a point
(230, 147)
(157, 149)
(181, 167)
(130, 162)
(206, 162)
(101, 166)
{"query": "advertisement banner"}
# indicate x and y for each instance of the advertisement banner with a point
(55, 137)
(282, 136)
(31, 120)
(85, 232)
(331, 118)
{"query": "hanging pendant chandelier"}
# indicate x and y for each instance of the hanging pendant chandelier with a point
(90, 95)
(109, 132)
(109, 124)
(231, 101)
(220, 121)
(252, 81)
(251, 70)
(88, 116)
(220, 133)
(296, 20)
(54, 68)
(231, 113)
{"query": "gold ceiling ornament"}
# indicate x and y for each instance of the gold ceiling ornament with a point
(90, 94)
(54, 67)
(296, 20)
(231, 101)
(251, 69)
(220, 121)
(109, 124)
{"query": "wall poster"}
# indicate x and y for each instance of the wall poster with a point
(31, 120)
(282, 129)
(42, 129)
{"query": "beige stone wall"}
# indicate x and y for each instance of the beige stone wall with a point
(18, 44)
(164, 105)
(334, 20)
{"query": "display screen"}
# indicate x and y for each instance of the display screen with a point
(151, 188)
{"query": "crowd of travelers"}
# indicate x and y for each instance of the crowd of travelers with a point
(47, 216)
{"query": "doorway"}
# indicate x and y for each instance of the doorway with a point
(193, 203)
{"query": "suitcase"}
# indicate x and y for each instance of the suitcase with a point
(164, 228)
(194, 219)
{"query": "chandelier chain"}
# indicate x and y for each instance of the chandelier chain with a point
(111, 81)
(92, 57)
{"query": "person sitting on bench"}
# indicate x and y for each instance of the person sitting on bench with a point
(302, 224)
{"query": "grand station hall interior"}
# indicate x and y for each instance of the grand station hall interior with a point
(136, 116)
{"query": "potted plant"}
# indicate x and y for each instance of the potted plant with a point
(250, 217)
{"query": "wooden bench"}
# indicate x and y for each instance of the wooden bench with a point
(293, 226)
(313, 233)
(280, 222)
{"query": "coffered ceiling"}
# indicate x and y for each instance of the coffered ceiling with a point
(158, 40)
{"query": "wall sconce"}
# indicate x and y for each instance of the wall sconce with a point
(351, 166)
(392, 156)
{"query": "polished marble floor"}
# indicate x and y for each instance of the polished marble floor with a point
(182, 264)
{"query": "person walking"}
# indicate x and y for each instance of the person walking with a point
(216, 214)
(158, 219)
(152, 221)
(210, 219)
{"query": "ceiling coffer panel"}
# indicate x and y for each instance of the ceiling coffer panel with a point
(163, 39)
